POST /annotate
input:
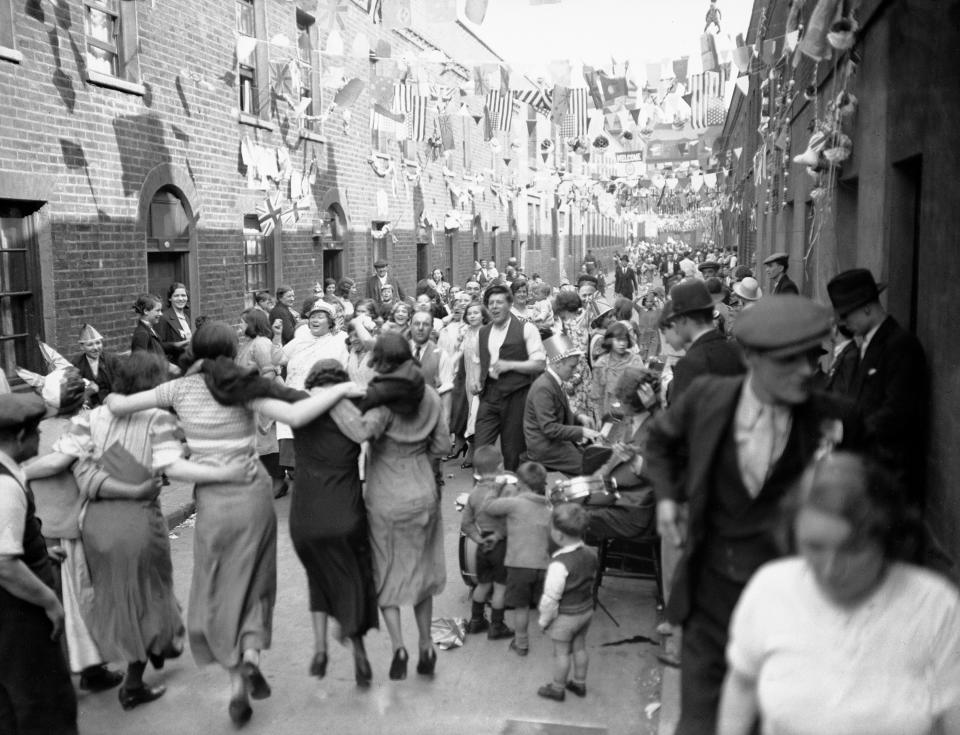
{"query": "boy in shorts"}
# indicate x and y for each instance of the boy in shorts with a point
(490, 535)
(528, 523)
(567, 603)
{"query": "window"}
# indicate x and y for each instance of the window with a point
(465, 144)
(257, 259)
(309, 67)
(247, 26)
(8, 40)
(112, 44)
(533, 152)
(379, 237)
(20, 307)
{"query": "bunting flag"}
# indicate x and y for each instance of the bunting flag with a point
(332, 14)
(538, 98)
(297, 209)
(706, 91)
(414, 106)
(708, 52)
(611, 88)
(268, 213)
(500, 110)
(475, 10)
(593, 86)
(561, 101)
(574, 122)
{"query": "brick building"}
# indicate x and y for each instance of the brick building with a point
(890, 206)
(138, 139)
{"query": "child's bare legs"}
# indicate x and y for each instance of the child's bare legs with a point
(561, 663)
(481, 592)
(521, 619)
(580, 657)
(499, 593)
(478, 621)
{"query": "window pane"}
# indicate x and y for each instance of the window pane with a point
(13, 271)
(246, 23)
(100, 26)
(248, 90)
(101, 60)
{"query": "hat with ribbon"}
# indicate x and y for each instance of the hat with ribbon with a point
(559, 347)
(852, 289)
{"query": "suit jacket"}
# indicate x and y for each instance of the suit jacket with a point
(785, 285)
(147, 339)
(104, 378)
(891, 390)
(171, 332)
(283, 313)
(682, 453)
(549, 427)
(429, 362)
(625, 281)
(373, 288)
(710, 354)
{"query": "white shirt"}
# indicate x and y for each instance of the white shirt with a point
(867, 339)
(531, 337)
(554, 584)
(94, 366)
(761, 431)
(13, 508)
(887, 666)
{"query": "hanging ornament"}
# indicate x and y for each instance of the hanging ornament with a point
(843, 34)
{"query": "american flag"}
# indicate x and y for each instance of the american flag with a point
(500, 110)
(414, 106)
(384, 119)
(574, 122)
(706, 101)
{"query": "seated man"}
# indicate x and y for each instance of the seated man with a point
(548, 424)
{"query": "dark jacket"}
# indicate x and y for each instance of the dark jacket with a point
(145, 338)
(785, 285)
(710, 354)
(373, 288)
(106, 371)
(682, 456)
(283, 313)
(549, 427)
(890, 388)
(171, 332)
(429, 362)
(625, 282)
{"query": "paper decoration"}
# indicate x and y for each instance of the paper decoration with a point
(349, 93)
(280, 40)
(246, 45)
(814, 42)
(360, 48)
(331, 14)
(742, 55)
(475, 10)
(561, 72)
(743, 84)
(334, 45)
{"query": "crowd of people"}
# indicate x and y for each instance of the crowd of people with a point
(702, 410)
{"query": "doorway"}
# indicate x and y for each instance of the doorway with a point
(333, 264)
(423, 261)
(168, 243)
(164, 269)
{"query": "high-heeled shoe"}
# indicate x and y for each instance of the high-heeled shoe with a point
(318, 666)
(427, 662)
(458, 451)
(398, 667)
(240, 711)
(362, 670)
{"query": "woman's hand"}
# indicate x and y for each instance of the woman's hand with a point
(352, 390)
(148, 489)
(244, 472)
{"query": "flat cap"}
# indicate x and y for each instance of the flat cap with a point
(380, 263)
(709, 264)
(17, 409)
(783, 325)
(776, 258)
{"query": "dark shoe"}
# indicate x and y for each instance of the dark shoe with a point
(478, 625)
(579, 689)
(130, 698)
(240, 711)
(257, 686)
(456, 452)
(549, 691)
(398, 667)
(519, 651)
(99, 678)
(157, 660)
(362, 671)
(427, 662)
(499, 630)
(466, 465)
(318, 667)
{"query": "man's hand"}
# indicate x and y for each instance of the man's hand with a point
(668, 516)
(591, 434)
(586, 421)
(490, 541)
(57, 554)
(496, 369)
(54, 612)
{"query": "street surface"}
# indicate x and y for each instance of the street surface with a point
(479, 688)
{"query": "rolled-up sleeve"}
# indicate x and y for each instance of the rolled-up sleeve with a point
(553, 586)
(534, 345)
(13, 516)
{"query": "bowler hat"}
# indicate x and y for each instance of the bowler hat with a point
(559, 347)
(852, 289)
(380, 263)
(712, 264)
(690, 295)
(780, 257)
(18, 409)
(783, 325)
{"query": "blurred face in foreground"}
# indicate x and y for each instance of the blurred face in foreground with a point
(783, 380)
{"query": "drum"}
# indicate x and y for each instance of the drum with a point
(585, 489)
(468, 560)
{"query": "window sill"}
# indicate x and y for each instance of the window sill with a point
(122, 85)
(11, 54)
(312, 136)
(253, 121)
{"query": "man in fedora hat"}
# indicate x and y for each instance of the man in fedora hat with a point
(775, 267)
(733, 447)
(381, 278)
(549, 427)
(890, 383)
(708, 353)
(35, 684)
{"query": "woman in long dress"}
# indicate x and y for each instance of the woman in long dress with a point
(403, 502)
(234, 585)
(328, 527)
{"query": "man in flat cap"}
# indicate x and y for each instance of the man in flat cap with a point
(732, 447)
(890, 383)
(36, 694)
(709, 269)
(775, 267)
(381, 278)
(708, 353)
(549, 427)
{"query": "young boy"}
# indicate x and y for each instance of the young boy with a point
(490, 534)
(528, 525)
(567, 603)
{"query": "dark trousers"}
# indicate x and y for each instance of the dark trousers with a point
(502, 416)
(703, 652)
(36, 694)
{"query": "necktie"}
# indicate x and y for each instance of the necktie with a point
(419, 353)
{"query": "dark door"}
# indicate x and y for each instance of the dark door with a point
(333, 264)
(423, 261)
(164, 269)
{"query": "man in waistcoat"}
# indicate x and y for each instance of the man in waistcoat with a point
(511, 356)
(36, 694)
(732, 447)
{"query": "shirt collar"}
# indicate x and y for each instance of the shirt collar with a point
(554, 375)
(566, 549)
(748, 410)
(13, 468)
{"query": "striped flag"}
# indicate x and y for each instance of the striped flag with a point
(414, 106)
(574, 121)
(705, 90)
(539, 99)
(500, 110)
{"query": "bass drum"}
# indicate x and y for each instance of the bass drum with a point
(468, 561)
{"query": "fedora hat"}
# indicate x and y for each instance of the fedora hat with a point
(690, 295)
(852, 289)
(748, 289)
(559, 347)
(784, 325)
